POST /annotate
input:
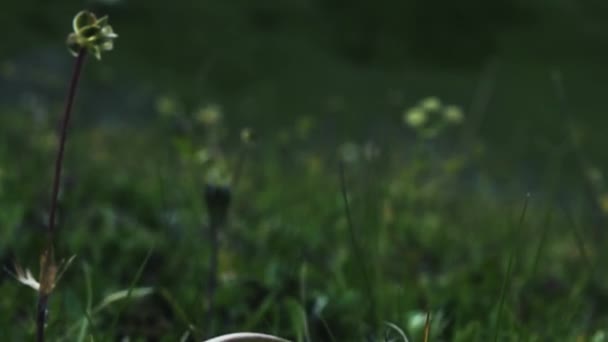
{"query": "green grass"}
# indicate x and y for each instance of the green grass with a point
(419, 236)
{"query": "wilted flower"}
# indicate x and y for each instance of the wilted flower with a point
(50, 274)
(91, 34)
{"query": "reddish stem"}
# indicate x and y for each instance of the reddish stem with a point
(62, 138)
(43, 297)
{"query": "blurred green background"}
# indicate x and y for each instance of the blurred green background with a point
(269, 61)
(320, 83)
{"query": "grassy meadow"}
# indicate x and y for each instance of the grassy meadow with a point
(281, 189)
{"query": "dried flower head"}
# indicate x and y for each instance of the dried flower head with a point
(50, 274)
(91, 34)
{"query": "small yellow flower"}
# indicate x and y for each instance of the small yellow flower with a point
(91, 34)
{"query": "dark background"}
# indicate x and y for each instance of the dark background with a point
(267, 62)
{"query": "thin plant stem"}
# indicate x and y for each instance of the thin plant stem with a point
(358, 250)
(581, 160)
(427, 327)
(43, 297)
(509, 274)
(218, 203)
(41, 313)
(212, 279)
(63, 136)
(480, 101)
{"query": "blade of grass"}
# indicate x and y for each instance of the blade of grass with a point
(574, 297)
(536, 261)
(479, 102)
(541, 243)
(358, 250)
(129, 292)
(105, 303)
(256, 317)
(582, 162)
(89, 305)
(331, 335)
(508, 275)
(580, 242)
(177, 309)
(427, 327)
(299, 320)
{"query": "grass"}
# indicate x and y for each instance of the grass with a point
(403, 239)
(288, 265)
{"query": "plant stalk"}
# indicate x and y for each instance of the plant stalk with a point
(63, 136)
(218, 200)
(43, 297)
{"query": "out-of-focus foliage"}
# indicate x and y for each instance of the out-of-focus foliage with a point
(436, 231)
(274, 100)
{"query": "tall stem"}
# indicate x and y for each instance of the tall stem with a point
(44, 293)
(218, 201)
(41, 312)
(69, 102)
